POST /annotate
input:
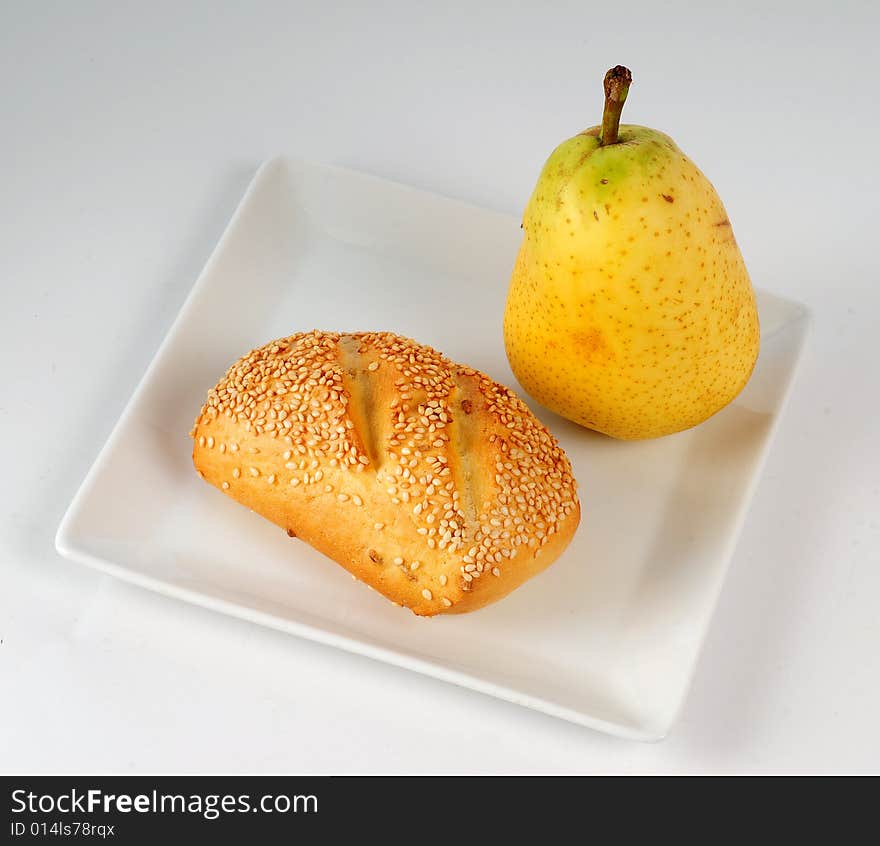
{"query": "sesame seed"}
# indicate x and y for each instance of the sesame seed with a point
(378, 526)
(235, 472)
(342, 497)
(443, 580)
(398, 560)
(210, 442)
(414, 566)
(253, 471)
(496, 571)
(446, 602)
(201, 440)
(294, 481)
(357, 500)
(225, 486)
(328, 488)
(295, 389)
(427, 594)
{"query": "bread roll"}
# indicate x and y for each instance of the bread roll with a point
(424, 478)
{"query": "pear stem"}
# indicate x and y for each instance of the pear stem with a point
(617, 83)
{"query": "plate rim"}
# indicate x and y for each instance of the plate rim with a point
(66, 540)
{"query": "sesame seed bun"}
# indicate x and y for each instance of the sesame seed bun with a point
(424, 478)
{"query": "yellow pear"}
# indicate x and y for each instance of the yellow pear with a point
(630, 309)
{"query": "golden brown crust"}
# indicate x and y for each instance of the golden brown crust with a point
(423, 478)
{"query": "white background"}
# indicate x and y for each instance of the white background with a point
(128, 132)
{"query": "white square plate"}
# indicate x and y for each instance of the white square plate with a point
(607, 637)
